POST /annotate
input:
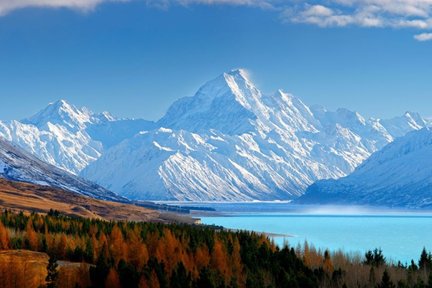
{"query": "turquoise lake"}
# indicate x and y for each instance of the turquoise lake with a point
(400, 234)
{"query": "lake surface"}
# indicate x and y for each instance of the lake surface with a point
(400, 234)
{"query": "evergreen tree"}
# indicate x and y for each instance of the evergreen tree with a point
(52, 275)
(372, 279)
(425, 260)
(386, 281)
(429, 285)
(374, 258)
(180, 278)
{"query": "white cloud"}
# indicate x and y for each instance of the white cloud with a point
(331, 17)
(366, 13)
(7, 6)
(253, 3)
(423, 37)
(410, 14)
(229, 2)
(318, 10)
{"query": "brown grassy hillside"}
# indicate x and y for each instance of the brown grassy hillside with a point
(29, 197)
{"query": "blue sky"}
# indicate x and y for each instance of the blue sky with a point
(134, 58)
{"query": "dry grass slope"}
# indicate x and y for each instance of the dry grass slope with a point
(29, 197)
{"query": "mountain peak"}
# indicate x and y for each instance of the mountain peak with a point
(230, 97)
(414, 116)
(106, 117)
(60, 112)
(233, 82)
(60, 103)
(239, 73)
(239, 77)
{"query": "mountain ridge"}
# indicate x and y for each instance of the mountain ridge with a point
(399, 175)
(18, 165)
(69, 137)
(230, 142)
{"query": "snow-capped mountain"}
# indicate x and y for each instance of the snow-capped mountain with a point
(400, 126)
(398, 175)
(69, 137)
(230, 142)
(19, 165)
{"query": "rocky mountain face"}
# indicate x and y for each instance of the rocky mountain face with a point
(19, 165)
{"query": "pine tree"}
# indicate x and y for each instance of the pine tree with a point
(429, 285)
(52, 275)
(375, 258)
(372, 279)
(425, 260)
(327, 264)
(386, 281)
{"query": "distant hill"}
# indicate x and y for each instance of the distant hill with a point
(36, 198)
(18, 165)
(399, 175)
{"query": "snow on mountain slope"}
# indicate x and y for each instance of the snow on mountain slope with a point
(399, 126)
(167, 165)
(398, 175)
(230, 142)
(226, 103)
(69, 137)
(111, 133)
(19, 165)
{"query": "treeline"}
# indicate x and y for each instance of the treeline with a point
(137, 254)
(339, 269)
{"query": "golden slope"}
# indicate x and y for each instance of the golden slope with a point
(30, 197)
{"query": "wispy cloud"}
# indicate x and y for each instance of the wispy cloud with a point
(423, 37)
(411, 14)
(330, 17)
(253, 3)
(7, 6)
(365, 13)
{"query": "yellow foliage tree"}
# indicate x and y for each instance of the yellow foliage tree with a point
(327, 264)
(4, 237)
(113, 279)
(62, 246)
(117, 246)
(154, 281)
(219, 260)
(31, 236)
